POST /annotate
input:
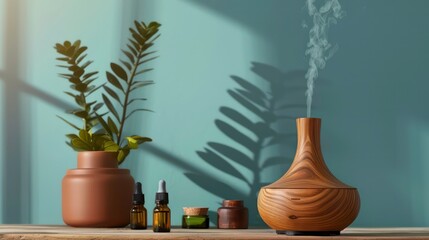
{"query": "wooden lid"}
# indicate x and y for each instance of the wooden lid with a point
(195, 211)
(233, 203)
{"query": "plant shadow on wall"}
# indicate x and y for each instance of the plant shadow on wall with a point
(260, 143)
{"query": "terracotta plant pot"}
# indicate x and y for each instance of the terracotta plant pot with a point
(97, 193)
(308, 199)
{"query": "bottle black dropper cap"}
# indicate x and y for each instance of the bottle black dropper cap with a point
(161, 195)
(138, 197)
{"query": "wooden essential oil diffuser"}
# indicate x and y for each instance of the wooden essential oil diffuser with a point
(308, 199)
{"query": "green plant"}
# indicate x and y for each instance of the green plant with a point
(120, 88)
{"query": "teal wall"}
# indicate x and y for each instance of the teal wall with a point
(371, 96)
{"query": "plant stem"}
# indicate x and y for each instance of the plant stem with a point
(127, 93)
(84, 119)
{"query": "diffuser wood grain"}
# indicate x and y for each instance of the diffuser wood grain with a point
(308, 197)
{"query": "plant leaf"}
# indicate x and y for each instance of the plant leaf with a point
(132, 49)
(132, 143)
(77, 143)
(84, 136)
(104, 124)
(88, 75)
(119, 71)
(80, 100)
(97, 107)
(146, 46)
(65, 75)
(138, 82)
(81, 114)
(86, 64)
(140, 28)
(113, 94)
(110, 107)
(89, 81)
(72, 136)
(144, 70)
(76, 43)
(80, 87)
(112, 126)
(147, 60)
(114, 81)
(95, 89)
(99, 140)
(79, 52)
(69, 123)
(140, 139)
(139, 85)
(136, 45)
(127, 65)
(80, 58)
(138, 110)
(147, 54)
(110, 146)
(129, 55)
(70, 51)
(123, 153)
(71, 94)
(78, 71)
(137, 37)
(153, 39)
(136, 99)
(63, 59)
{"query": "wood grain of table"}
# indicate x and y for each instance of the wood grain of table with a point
(51, 232)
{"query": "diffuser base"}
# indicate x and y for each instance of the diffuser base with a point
(308, 233)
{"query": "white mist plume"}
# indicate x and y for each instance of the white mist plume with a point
(319, 49)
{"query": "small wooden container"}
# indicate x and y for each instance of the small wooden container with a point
(232, 215)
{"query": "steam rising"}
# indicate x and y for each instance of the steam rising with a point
(319, 49)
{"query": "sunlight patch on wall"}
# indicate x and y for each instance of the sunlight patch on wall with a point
(2, 30)
(97, 24)
(2, 60)
(2, 139)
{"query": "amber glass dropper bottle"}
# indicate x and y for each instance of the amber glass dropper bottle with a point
(138, 213)
(161, 212)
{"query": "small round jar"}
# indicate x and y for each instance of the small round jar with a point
(195, 217)
(232, 215)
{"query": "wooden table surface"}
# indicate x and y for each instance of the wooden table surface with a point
(50, 232)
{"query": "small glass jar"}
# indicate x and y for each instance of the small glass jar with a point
(195, 217)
